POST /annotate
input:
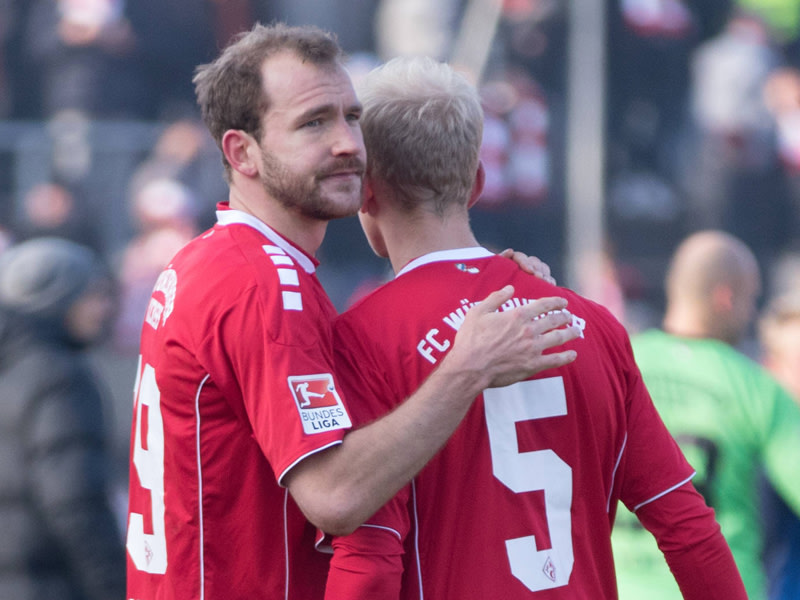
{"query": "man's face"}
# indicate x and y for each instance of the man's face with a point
(312, 149)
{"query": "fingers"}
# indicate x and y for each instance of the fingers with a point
(540, 329)
(555, 360)
(530, 264)
(537, 309)
(543, 307)
(494, 301)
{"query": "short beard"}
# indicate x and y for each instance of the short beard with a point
(304, 195)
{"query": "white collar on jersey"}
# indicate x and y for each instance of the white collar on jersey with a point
(232, 217)
(442, 255)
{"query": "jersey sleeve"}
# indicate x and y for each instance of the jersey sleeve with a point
(368, 563)
(690, 538)
(653, 463)
(283, 387)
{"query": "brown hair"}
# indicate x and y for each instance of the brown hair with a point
(229, 89)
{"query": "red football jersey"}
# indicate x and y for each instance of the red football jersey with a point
(234, 387)
(522, 498)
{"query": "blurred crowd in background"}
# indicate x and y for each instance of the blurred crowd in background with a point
(100, 140)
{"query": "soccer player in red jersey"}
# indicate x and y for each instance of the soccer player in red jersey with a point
(520, 502)
(239, 423)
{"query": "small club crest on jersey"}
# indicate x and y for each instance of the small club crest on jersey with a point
(318, 403)
(467, 268)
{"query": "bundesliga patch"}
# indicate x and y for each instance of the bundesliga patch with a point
(320, 407)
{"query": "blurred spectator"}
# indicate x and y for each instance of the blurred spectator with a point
(61, 539)
(175, 36)
(650, 42)
(87, 56)
(786, 272)
(409, 27)
(782, 98)
(51, 209)
(517, 158)
(185, 152)
(782, 17)
(164, 211)
(779, 334)
(515, 149)
(734, 179)
(733, 421)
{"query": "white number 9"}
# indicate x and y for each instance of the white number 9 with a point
(148, 551)
(531, 471)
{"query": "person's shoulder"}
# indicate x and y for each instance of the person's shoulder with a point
(231, 259)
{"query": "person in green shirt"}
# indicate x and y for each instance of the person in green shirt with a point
(733, 421)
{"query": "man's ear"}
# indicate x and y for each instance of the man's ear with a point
(722, 298)
(240, 148)
(368, 204)
(477, 186)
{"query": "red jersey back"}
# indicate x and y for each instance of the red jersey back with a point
(522, 497)
(234, 387)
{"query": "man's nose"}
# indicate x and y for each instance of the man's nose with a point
(348, 139)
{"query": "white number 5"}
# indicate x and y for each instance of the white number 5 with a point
(530, 471)
(149, 550)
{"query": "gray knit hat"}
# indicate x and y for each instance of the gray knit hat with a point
(43, 276)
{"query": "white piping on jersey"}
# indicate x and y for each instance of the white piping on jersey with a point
(614, 473)
(665, 492)
(286, 541)
(383, 527)
(306, 455)
(200, 487)
(442, 255)
(233, 217)
(416, 538)
(321, 544)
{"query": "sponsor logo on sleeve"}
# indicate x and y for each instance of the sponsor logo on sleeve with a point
(318, 403)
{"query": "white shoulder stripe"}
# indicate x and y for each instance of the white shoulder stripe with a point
(233, 217)
(288, 277)
(281, 260)
(292, 300)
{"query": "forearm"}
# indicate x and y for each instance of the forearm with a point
(338, 489)
(375, 461)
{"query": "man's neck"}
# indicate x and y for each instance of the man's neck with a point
(410, 239)
(304, 232)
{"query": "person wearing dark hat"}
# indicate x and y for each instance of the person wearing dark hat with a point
(61, 540)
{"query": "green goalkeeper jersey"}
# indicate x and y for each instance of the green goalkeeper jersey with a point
(736, 425)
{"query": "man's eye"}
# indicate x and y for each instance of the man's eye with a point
(354, 117)
(313, 123)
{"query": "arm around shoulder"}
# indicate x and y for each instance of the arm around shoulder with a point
(338, 489)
